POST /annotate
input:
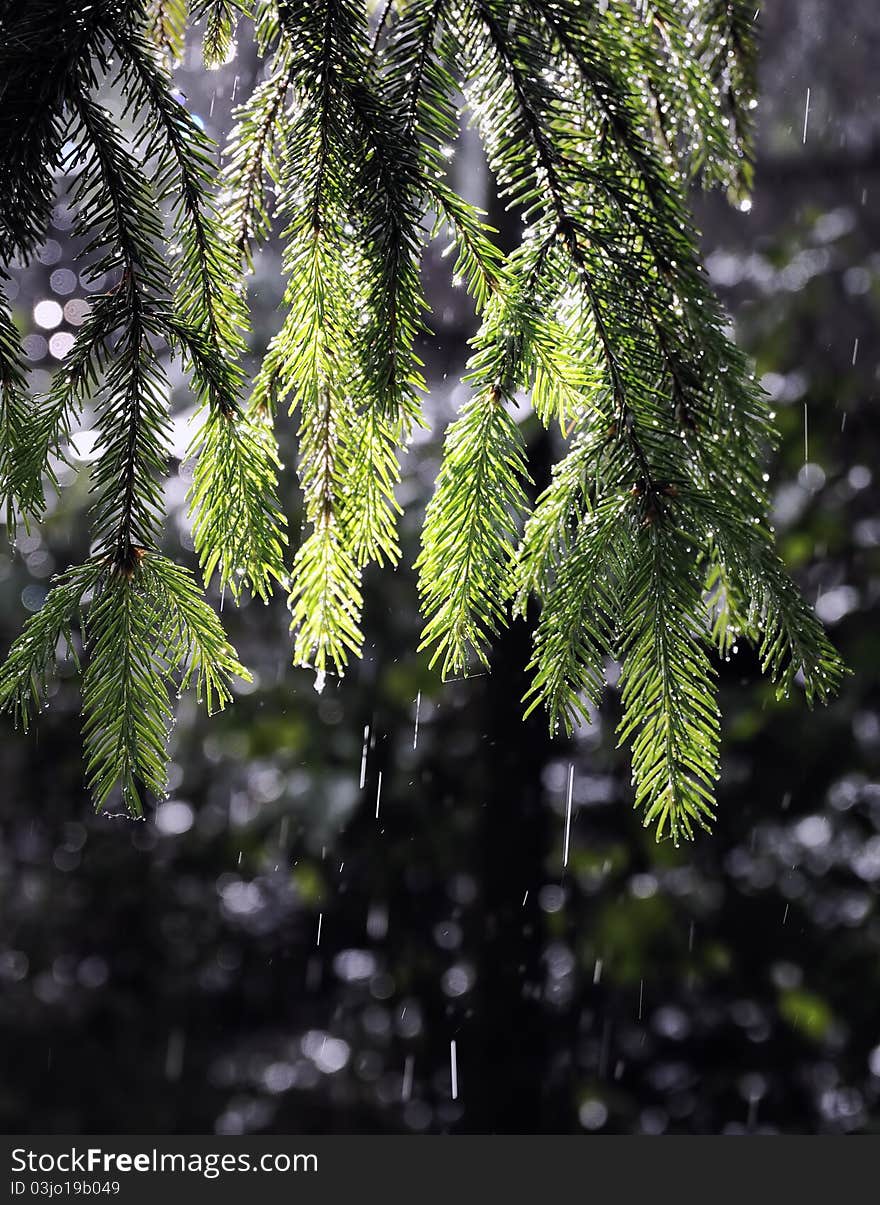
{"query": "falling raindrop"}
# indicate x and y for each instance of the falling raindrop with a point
(364, 755)
(806, 436)
(406, 1086)
(806, 116)
(568, 815)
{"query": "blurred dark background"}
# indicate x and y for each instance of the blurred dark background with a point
(264, 955)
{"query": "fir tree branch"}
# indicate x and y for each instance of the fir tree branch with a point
(667, 688)
(238, 527)
(480, 264)
(166, 26)
(379, 30)
(132, 414)
(24, 672)
(209, 294)
(577, 629)
(470, 530)
(144, 631)
(21, 489)
(651, 542)
(252, 157)
(221, 18)
(728, 48)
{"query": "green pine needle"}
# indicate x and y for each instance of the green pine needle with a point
(650, 545)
